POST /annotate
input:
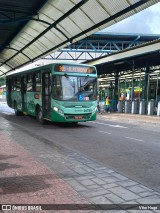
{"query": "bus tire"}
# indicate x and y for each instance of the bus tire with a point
(39, 116)
(16, 111)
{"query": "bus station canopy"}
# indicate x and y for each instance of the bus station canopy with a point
(32, 29)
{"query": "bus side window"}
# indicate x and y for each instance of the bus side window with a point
(18, 85)
(10, 85)
(14, 84)
(30, 83)
(38, 82)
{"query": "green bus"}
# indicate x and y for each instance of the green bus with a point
(59, 92)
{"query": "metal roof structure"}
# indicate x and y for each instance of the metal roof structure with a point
(36, 28)
(147, 54)
(100, 44)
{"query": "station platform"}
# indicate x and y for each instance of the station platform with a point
(131, 118)
(73, 182)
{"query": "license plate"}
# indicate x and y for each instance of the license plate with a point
(78, 117)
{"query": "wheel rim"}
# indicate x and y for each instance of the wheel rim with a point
(40, 115)
(15, 109)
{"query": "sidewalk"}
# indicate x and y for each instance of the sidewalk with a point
(26, 178)
(131, 118)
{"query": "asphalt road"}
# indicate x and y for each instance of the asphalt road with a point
(130, 149)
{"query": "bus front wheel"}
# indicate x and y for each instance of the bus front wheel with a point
(39, 116)
(16, 111)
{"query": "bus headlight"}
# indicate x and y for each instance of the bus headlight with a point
(58, 110)
(55, 109)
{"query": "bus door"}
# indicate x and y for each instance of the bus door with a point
(46, 94)
(9, 91)
(23, 93)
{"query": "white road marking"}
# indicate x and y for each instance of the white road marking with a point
(105, 132)
(134, 139)
(115, 126)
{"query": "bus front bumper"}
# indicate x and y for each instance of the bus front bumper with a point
(57, 117)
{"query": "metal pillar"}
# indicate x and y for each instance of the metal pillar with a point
(142, 107)
(158, 109)
(151, 107)
(116, 90)
(127, 107)
(134, 109)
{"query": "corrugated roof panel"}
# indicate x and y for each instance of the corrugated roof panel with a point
(62, 6)
(40, 47)
(89, 10)
(50, 39)
(5, 67)
(26, 37)
(20, 57)
(114, 6)
(69, 27)
(8, 53)
(133, 1)
(58, 34)
(38, 26)
(55, 9)
(15, 61)
(36, 49)
(46, 18)
(45, 40)
(32, 32)
(29, 51)
(2, 59)
(20, 43)
(81, 21)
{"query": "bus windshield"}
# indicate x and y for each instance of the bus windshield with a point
(74, 88)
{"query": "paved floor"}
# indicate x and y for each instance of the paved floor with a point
(25, 178)
(132, 118)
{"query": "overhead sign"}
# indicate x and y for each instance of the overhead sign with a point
(74, 68)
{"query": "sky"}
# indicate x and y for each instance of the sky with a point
(144, 22)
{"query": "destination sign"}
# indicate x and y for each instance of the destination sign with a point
(74, 68)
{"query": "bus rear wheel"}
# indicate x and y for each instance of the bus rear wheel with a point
(39, 116)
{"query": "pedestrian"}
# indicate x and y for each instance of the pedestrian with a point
(108, 102)
(98, 106)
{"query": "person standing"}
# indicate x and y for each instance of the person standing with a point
(98, 106)
(108, 103)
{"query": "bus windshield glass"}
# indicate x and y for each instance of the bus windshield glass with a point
(74, 88)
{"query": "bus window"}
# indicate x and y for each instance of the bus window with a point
(74, 88)
(18, 85)
(38, 82)
(30, 83)
(14, 84)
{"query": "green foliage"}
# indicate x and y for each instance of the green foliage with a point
(2, 81)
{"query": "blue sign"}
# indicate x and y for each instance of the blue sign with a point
(81, 97)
